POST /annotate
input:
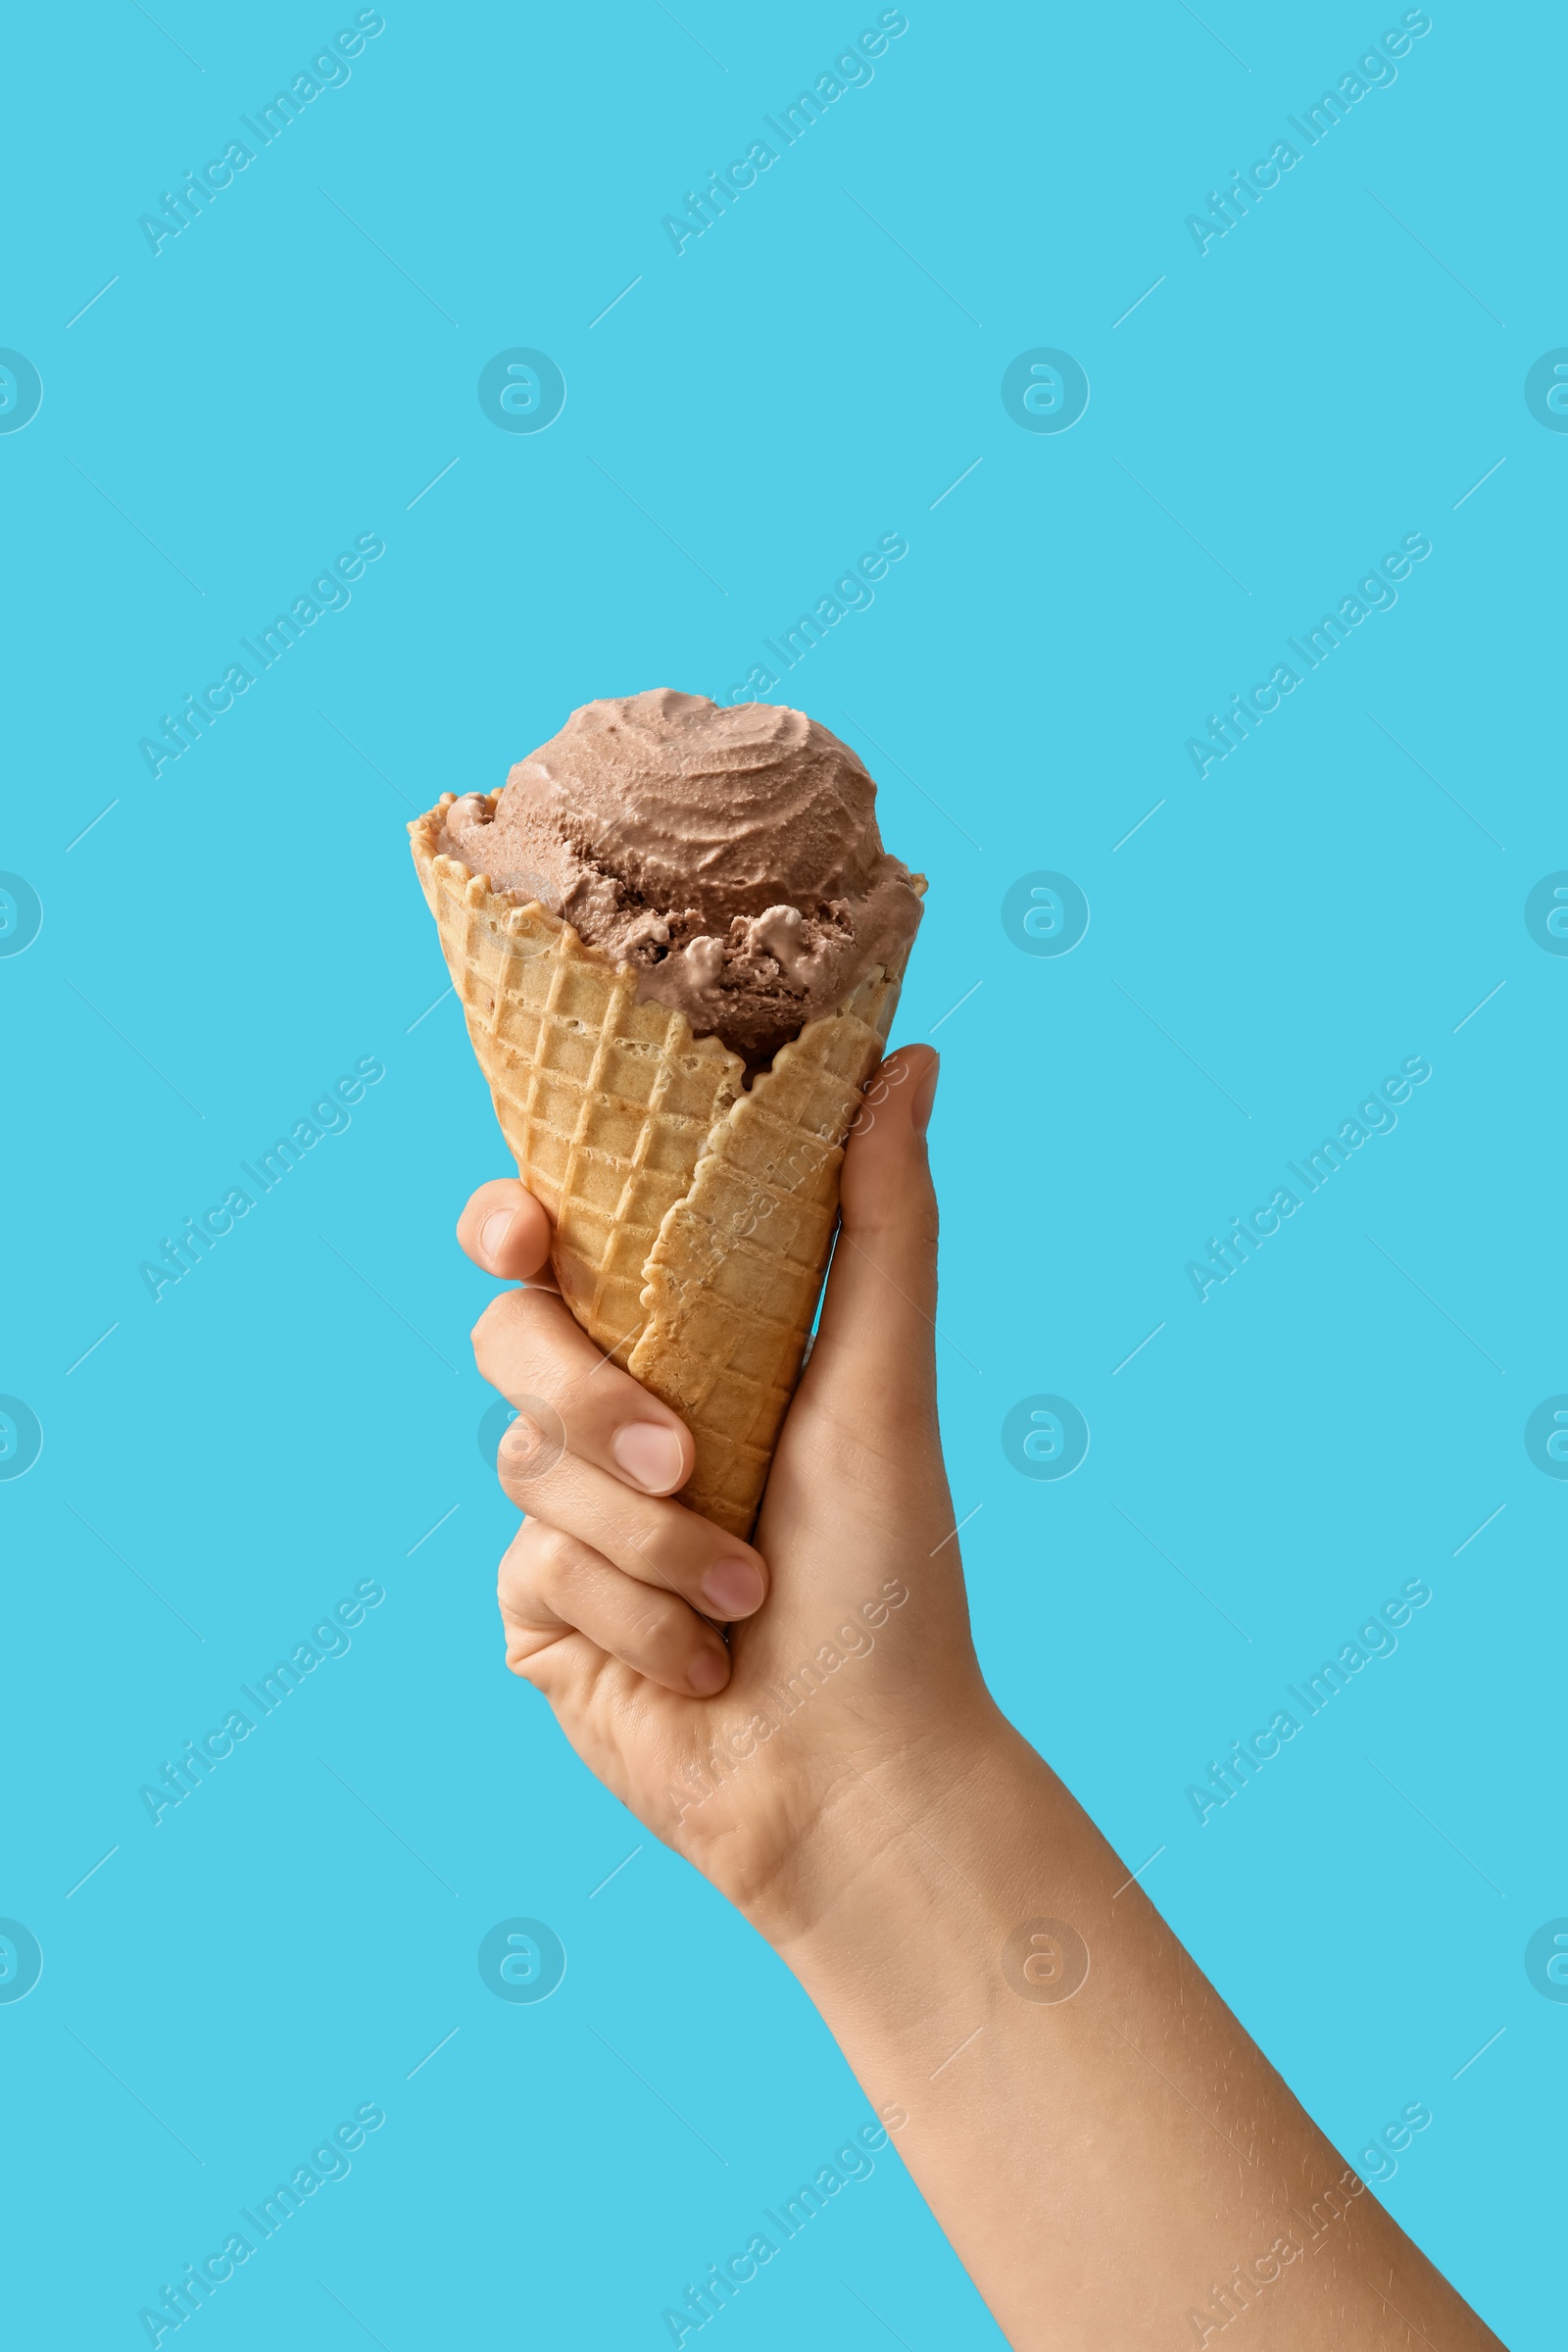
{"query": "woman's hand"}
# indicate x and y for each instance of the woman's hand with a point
(1113, 2160)
(849, 1646)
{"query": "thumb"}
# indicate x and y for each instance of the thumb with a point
(875, 1349)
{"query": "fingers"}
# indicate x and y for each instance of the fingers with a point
(614, 1422)
(590, 1450)
(877, 1338)
(553, 1586)
(866, 1411)
(505, 1230)
(593, 1453)
(526, 1344)
(659, 1543)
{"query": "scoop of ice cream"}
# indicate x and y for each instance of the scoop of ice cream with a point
(731, 857)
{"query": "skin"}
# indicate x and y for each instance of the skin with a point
(1114, 2161)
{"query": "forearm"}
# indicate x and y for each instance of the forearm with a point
(1113, 2158)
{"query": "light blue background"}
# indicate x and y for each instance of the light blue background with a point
(224, 943)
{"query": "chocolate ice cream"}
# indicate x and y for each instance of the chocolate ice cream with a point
(731, 857)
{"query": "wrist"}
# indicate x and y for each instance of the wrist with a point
(929, 1844)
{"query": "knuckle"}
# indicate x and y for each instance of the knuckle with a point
(487, 1334)
(513, 1569)
(654, 1627)
(519, 1569)
(672, 1552)
(513, 1343)
(626, 1524)
(618, 1520)
(555, 1558)
(601, 1394)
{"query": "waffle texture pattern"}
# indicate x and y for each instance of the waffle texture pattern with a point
(693, 1218)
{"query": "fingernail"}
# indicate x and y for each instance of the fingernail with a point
(649, 1454)
(707, 1673)
(926, 1095)
(494, 1231)
(734, 1588)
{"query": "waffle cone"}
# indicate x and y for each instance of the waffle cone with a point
(692, 1217)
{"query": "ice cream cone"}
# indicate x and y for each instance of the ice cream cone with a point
(692, 1217)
